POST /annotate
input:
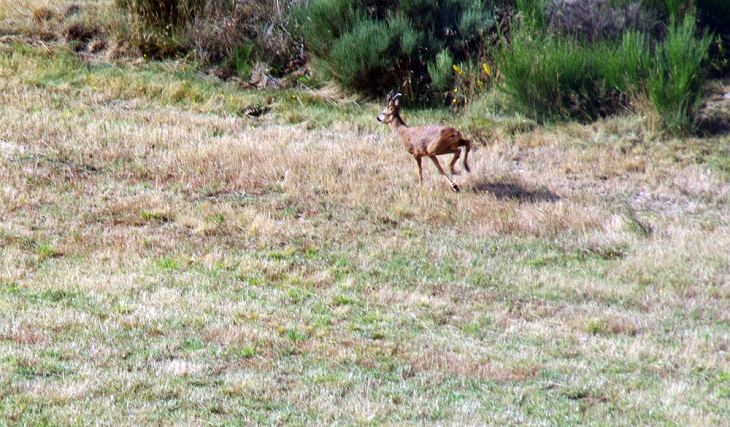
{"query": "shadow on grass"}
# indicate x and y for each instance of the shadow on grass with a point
(512, 191)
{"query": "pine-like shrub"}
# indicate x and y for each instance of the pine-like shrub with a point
(441, 71)
(374, 47)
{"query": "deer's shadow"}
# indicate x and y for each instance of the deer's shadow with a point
(513, 191)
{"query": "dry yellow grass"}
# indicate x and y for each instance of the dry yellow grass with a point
(175, 264)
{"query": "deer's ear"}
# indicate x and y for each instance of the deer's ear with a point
(395, 99)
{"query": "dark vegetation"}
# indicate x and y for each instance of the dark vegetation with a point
(554, 60)
(230, 35)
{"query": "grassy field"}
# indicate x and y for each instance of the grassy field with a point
(168, 260)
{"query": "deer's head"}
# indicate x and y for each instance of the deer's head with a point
(392, 109)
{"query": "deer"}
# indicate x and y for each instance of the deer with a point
(426, 141)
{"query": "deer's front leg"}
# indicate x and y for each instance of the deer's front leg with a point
(420, 170)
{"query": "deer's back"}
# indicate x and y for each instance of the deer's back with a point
(430, 140)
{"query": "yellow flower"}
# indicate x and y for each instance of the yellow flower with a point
(458, 70)
(453, 100)
(487, 69)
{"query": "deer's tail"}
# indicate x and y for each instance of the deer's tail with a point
(467, 146)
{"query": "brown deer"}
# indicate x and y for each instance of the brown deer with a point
(426, 141)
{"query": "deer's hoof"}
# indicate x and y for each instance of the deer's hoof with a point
(455, 188)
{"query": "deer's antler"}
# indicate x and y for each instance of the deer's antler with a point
(392, 97)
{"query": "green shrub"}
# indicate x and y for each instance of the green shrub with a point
(240, 60)
(675, 9)
(553, 77)
(374, 47)
(674, 84)
(626, 67)
(532, 13)
(362, 52)
(440, 71)
(560, 75)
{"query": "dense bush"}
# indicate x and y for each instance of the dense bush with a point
(589, 63)
(373, 47)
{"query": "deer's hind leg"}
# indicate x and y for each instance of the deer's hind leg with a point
(441, 170)
(467, 147)
(457, 154)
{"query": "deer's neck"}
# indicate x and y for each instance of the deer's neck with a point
(397, 125)
(400, 128)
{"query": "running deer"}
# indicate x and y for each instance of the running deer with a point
(426, 141)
